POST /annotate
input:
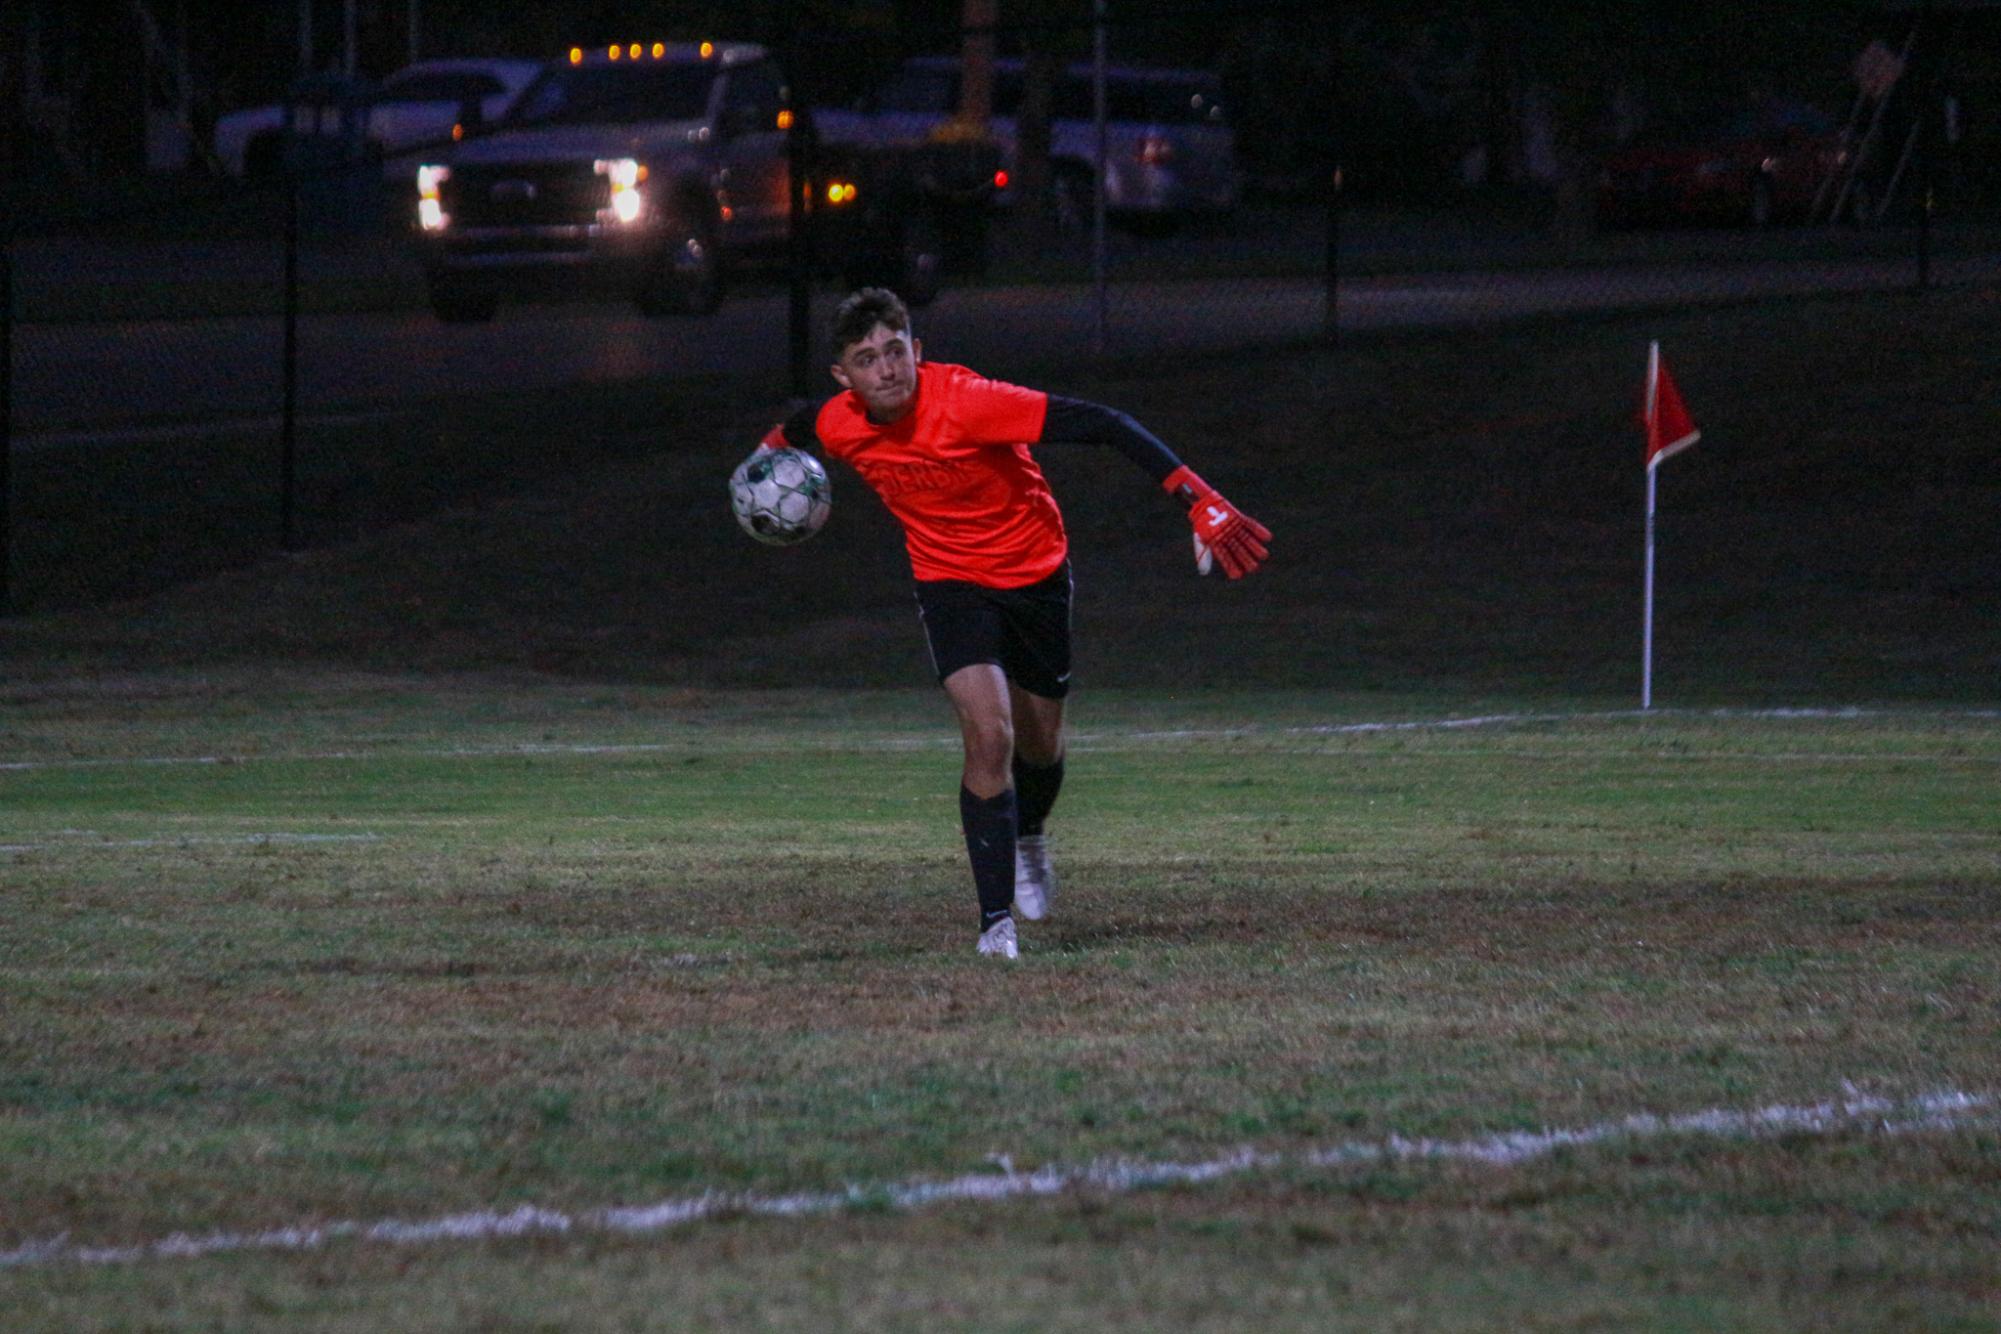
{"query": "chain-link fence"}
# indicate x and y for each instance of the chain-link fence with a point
(232, 326)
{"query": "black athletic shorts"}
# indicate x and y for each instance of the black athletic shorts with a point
(1023, 631)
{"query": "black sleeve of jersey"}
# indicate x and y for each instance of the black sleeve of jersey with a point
(800, 425)
(1075, 421)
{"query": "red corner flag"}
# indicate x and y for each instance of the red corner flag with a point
(1669, 427)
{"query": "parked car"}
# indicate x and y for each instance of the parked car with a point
(1747, 166)
(1169, 151)
(416, 106)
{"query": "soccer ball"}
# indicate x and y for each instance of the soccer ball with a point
(781, 496)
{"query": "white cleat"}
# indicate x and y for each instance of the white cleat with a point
(999, 939)
(1034, 877)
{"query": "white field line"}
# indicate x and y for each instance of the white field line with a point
(1853, 1112)
(946, 741)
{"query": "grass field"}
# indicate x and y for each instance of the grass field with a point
(563, 851)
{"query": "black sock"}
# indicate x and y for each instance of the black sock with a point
(989, 825)
(1037, 786)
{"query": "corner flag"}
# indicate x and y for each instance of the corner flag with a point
(1669, 427)
(1669, 431)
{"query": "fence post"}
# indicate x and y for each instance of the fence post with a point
(1929, 108)
(6, 419)
(801, 171)
(288, 417)
(1331, 317)
(1099, 278)
(1925, 201)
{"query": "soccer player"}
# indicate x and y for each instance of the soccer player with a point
(948, 451)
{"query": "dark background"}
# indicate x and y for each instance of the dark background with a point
(1404, 93)
(1467, 136)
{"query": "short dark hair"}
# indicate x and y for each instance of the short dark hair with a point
(861, 311)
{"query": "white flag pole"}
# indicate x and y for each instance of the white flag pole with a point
(1647, 614)
(1647, 627)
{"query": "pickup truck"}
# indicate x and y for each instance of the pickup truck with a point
(658, 168)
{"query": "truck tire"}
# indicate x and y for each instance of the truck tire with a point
(1762, 208)
(1073, 198)
(920, 260)
(462, 301)
(687, 279)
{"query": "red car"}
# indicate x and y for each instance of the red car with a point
(1779, 161)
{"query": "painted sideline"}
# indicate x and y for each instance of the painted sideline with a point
(1853, 1111)
(952, 741)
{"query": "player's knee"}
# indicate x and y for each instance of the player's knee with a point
(990, 743)
(1038, 748)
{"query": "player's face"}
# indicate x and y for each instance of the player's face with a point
(882, 370)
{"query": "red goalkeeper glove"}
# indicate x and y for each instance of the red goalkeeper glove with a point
(1232, 537)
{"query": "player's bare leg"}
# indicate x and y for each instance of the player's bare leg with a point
(979, 695)
(1038, 726)
(982, 698)
(1037, 769)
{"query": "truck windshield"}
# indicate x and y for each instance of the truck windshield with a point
(617, 93)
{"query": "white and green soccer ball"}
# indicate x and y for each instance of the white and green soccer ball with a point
(781, 496)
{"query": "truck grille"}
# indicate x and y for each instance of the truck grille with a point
(528, 194)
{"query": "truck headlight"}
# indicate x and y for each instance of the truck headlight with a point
(431, 215)
(624, 174)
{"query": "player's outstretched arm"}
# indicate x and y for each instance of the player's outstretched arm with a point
(1223, 533)
(1233, 538)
